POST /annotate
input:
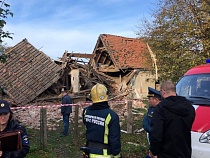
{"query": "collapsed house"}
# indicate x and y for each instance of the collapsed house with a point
(122, 64)
(27, 73)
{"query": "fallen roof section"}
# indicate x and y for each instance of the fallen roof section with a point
(27, 72)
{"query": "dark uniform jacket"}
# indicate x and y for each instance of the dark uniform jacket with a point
(65, 110)
(11, 126)
(171, 128)
(101, 123)
(147, 120)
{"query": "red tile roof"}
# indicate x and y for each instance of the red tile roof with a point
(126, 52)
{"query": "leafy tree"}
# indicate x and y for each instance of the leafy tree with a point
(3, 56)
(179, 35)
(4, 13)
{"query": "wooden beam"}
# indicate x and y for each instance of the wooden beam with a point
(107, 69)
(97, 56)
(104, 58)
(101, 48)
(79, 55)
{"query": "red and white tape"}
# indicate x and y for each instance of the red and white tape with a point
(59, 105)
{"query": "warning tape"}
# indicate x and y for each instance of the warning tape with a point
(59, 105)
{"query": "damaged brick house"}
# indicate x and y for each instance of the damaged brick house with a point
(124, 63)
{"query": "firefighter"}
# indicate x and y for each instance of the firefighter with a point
(102, 126)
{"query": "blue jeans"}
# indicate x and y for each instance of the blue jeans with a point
(66, 124)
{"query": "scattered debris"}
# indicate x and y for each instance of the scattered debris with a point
(132, 143)
(137, 131)
(123, 131)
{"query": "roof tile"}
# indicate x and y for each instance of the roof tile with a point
(27, 72)
(126, 52)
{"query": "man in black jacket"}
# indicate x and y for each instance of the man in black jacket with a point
(66, 109)
(102, 126)
(171, 125)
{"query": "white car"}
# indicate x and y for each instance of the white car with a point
(195, 86)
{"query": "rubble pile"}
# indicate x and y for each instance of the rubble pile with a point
(30, 117)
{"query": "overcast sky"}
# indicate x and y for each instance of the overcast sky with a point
(54, 26)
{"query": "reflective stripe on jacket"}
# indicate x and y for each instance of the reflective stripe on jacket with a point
(102, 126)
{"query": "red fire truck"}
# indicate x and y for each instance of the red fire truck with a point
(195, 86)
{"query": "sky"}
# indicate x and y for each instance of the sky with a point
(56, 26)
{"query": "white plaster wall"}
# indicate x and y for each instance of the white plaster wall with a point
(143, 80)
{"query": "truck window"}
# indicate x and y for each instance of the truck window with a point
(194, 85)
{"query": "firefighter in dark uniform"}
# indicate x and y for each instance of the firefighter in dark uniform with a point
(154, 97)
(102, 126)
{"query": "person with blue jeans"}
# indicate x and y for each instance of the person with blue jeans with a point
(66, 110)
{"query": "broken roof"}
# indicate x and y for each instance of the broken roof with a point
(124, 52)
(27, 72)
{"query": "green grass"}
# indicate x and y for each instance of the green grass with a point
(57, 147)
(133, 145)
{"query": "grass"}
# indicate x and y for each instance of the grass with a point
(133, 145)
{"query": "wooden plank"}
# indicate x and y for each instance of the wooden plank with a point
(43, 127)
(130, 117)
(108, 69)
(79, 55)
